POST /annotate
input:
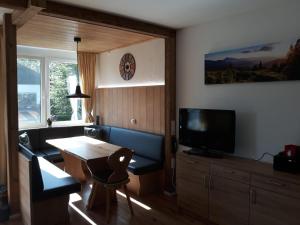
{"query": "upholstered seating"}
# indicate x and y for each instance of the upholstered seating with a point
(45, 190)
(147, 161)
(39, 136)
(141, 165)
(147, 147)
(48, 180)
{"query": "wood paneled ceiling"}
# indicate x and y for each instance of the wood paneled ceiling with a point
(50, 32)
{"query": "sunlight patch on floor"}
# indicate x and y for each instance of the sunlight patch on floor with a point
(75, 198)
(135, 201)
(144, 206)
(84, 216)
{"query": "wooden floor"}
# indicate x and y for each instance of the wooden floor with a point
(150, 210)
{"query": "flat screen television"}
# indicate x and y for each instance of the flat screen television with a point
(207, 129)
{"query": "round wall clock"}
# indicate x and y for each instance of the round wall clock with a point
(127, 66)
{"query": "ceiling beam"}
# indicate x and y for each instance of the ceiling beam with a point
(20, 17)
(13, 4)
(79, 14)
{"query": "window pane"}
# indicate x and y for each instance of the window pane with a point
(29, 91)
(63, 81)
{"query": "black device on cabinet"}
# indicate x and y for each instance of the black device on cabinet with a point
(208, 132)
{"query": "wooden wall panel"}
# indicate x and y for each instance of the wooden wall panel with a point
(117, 106)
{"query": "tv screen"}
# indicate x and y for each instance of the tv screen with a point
(207, 129)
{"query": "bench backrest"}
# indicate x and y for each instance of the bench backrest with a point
(101, 132)
(39, 136)
(144, 144)
(36, 181)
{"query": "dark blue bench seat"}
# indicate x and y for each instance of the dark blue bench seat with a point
(141, 165)
(47, 180)
(45, 190)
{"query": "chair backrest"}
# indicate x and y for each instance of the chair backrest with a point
(118, 163)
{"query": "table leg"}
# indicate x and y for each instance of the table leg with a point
(75, 167)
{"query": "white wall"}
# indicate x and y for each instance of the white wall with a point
(150, 65)
(268, 114)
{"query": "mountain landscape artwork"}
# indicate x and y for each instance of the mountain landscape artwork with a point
(261, 63)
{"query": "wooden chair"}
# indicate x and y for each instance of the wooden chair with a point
(112, 175)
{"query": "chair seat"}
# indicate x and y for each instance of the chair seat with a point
(56, 182)
(53, 155)
(103, 176)
(140, 165)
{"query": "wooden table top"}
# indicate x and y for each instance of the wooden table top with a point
(84, 147)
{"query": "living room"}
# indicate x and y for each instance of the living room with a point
(206, 110)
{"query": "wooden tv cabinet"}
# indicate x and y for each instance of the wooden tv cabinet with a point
(236, 191)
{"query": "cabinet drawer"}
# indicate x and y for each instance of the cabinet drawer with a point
(191, 168)
(230, 173)
(193, 197)
(276, 185)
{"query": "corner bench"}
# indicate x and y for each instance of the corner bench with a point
(44, 190)
(145, 168)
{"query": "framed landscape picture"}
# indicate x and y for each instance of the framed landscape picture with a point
(268, 62)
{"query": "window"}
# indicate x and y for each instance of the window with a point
(63, 79)
(43, 84)
(29, 91)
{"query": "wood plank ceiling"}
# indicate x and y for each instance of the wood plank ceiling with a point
(50, 32)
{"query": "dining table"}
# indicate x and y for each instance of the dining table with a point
(77, 151)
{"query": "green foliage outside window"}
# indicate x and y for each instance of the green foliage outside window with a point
(60, 106)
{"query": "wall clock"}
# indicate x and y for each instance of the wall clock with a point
(127, 66)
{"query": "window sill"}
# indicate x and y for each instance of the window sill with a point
(58, 124)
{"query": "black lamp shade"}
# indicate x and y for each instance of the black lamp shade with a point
(78, 93)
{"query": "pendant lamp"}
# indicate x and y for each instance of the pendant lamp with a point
(78, 93)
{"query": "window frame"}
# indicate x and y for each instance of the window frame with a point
(45, 88)
(42, 94)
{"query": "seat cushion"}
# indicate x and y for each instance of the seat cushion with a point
(140, 165)
(56, 182)
(52, 155)
(102, 176)
(144, 144)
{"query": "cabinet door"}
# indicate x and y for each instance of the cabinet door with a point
(192, 186)
(275, 209)
(229, 202)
